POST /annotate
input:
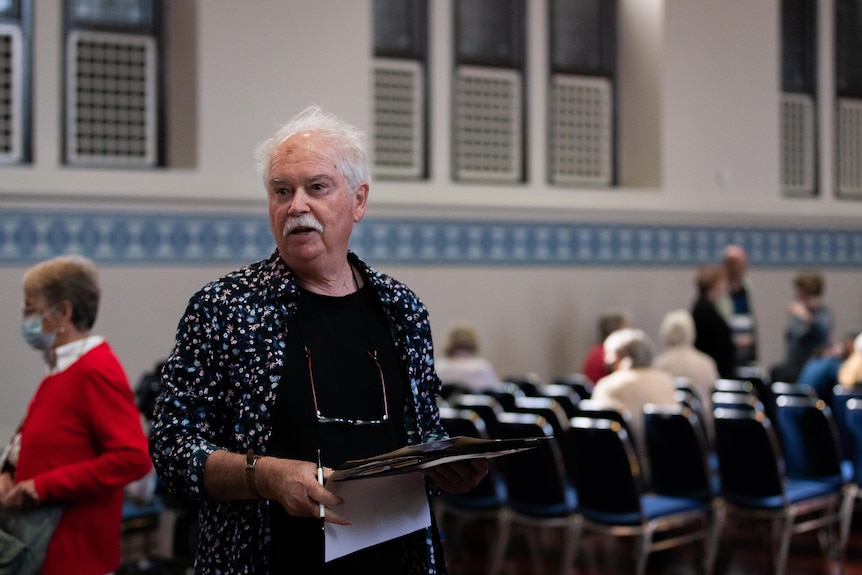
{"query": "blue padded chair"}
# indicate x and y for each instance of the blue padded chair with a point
(567, 397)
(755, 486)
(853, 428)
(612, 501)
(678, 453)
(840, 396)
(809, 439)
(506, 394)
(787, 388)
(539, 493)
(737, 400)
(578, 382)
(528, 383)
(688, 397)
(547, 407)
(485, 405)
(485, 501)
(589, 408)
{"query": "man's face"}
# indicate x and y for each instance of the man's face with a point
(734, 267)
(311, 208)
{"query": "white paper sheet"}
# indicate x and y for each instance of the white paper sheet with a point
(380, 509)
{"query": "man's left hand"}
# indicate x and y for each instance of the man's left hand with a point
(458, 476)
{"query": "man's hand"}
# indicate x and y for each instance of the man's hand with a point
(293, 484)
(458, 476)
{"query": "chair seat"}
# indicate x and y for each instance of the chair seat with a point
(654, 507)
(796, 491)
(556, 509)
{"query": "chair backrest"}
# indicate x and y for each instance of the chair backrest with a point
(788, 388)
(468, 423)
(808, 437)
(535, 478)
(485, 405)
(547, 407)
(567, 397)
(749, 456)
(579, 382)
(840, 396)
(678, 452)
(506, 394)
(734, 385)
(588, 408)
(607, 473)
(737, 400)
(528, 383)
(853, 426)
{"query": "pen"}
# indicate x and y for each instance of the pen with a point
(320, 480)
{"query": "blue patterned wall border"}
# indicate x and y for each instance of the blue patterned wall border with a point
(154, 238)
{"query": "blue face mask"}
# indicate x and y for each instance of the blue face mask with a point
(31, 329)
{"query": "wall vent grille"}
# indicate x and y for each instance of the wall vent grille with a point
(797, 144)
(399, 126)
(11, 94)
(581, 130)
(111, 100)
(849, 151)
(488, 125)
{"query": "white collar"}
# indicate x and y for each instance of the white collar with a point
(67, 354)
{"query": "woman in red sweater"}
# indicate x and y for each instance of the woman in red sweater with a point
(81, 441)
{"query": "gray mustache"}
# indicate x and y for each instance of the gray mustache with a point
(303, 221)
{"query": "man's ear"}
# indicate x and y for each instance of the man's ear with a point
(360, 197)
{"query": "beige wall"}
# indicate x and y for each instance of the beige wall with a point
(699, 126)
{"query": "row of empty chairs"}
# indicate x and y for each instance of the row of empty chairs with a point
(765, 463)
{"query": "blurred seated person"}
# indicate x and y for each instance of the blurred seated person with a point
(713, 335)
(633, 381)
(461, 363)
(809, 326)
(850, 372)
(821, 371)
(610, 320)
(681, 359)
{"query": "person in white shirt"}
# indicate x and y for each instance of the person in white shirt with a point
(461, 363)
(633, 381)
(681, 359)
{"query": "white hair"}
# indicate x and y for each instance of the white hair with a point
(349, 139)
(677, 328)
(629, 343)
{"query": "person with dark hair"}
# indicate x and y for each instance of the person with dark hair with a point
(81, 441)
(299, 363)
(809, 325)
(713, 335)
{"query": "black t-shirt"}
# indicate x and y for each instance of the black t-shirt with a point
(343, 336)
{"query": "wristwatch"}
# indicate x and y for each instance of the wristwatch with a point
(250, 463)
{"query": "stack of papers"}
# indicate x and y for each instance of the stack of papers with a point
(387, 500)
(422, 456)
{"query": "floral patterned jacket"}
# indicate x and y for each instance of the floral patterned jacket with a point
(219, 389)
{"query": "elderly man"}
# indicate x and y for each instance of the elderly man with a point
(633, 381)
(736, 306)
(310, 353)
